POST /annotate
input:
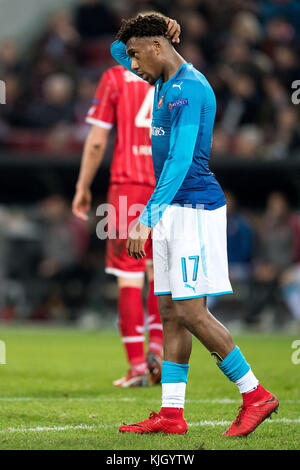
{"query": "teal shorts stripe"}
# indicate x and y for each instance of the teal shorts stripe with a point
(202, 246)
(203, 295)
(162, 293)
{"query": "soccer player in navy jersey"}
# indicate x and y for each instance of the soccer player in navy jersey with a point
(187, 213)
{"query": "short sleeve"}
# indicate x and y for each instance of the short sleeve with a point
(102, 112)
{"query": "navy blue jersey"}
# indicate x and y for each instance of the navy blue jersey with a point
(181, 134)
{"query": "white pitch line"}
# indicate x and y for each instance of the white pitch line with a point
(86, 427)
(226, 423)
(65, 399)
(218, 401)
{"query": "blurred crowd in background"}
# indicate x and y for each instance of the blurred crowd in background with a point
(248, 50)
(51, 264)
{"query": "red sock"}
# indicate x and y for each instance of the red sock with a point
(172, 413)
(131, 323)
(154, 322)
(258, 394)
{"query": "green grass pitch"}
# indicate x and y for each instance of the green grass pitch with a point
(56, 393)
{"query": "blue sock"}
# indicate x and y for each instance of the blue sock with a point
(174, 373)
(234, 366)
(173, 380)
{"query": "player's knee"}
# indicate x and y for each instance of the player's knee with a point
(166, 308)
(190, 314)
(182, 315)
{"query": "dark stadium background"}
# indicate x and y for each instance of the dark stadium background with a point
(51, 265)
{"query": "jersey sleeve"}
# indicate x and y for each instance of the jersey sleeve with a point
(102, 113)
(185, 109)
(118, 51)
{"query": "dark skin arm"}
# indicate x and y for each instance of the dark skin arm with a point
(173, 31)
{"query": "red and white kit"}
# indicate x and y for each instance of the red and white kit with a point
(124, 99)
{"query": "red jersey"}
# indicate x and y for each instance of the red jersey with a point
(125, 100)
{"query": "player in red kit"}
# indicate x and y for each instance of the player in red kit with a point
(124, 100)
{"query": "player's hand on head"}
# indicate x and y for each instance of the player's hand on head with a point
(136, 240)
(173, 31)
(81, 204)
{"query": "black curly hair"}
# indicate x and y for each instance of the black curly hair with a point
(142, 26)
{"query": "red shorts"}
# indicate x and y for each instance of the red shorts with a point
(117, 260)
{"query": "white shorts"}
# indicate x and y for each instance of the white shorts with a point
(190, 253)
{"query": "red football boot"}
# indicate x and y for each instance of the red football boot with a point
(154, 363)
(167, 421)
(132, 380)
(257, 406)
